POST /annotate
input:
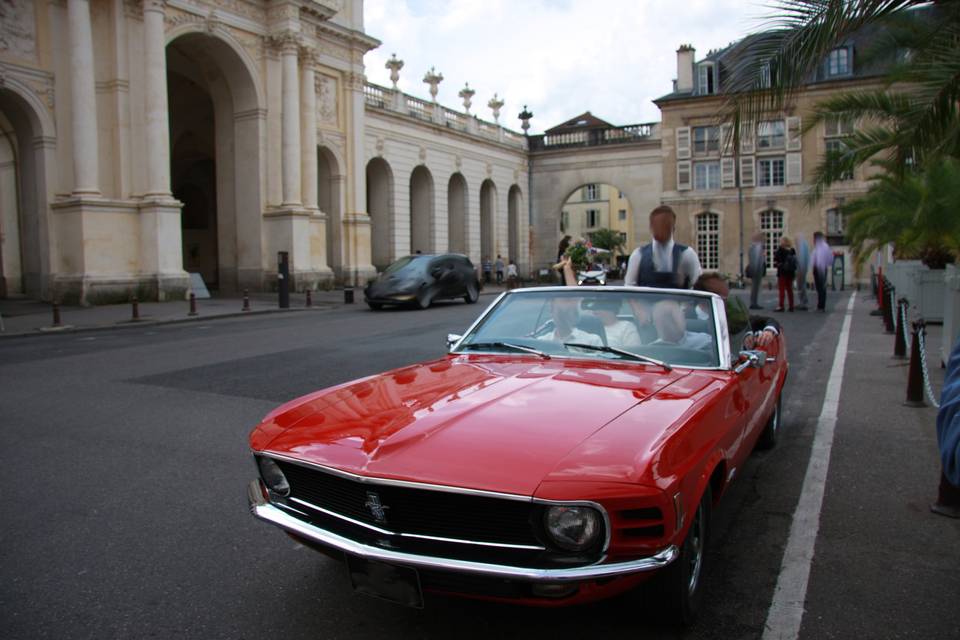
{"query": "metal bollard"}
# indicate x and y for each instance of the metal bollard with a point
(309, 299)
(56, 314)
(135, 311)
(900, 341)
(888, 310)
(246, 300)
(915, 375)
(193, 304)
(348, 295)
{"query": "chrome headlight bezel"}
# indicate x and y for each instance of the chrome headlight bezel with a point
(574, 527)
(272, 476)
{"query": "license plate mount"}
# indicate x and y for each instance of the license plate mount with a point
(390, 582)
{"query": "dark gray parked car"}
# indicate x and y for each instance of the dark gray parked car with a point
(419, 280)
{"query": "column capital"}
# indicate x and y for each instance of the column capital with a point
(154, 5)
(309, 56)
(354, 80)
(286, 42)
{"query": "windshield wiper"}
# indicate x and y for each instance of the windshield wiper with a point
(509, 345)
(629, 354)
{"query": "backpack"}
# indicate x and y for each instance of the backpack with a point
(790, 264)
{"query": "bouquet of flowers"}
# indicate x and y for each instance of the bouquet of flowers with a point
(579, 255)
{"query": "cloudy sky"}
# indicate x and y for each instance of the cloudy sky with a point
(560, 57)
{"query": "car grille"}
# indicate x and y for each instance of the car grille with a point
(422, 512)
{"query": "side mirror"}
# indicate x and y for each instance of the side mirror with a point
(756, 359)
(452, 339)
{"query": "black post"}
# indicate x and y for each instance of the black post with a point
(246, 300)
(193, 304)
(56, 314)
(900, 342)
(309, 298)
(348, 294)
(888, 309)
(283, 279)
(915, 377)
(136, 309)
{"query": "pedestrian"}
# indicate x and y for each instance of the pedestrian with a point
(499, 267)
(821, 260)
(948, 437)
(663, 263)
(756, 269)
(562, 248)
(803, 265)
(785, 260)
(487, 269)
(513, 276)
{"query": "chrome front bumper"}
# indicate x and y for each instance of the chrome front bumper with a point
(261, 508)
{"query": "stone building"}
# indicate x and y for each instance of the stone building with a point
(704, 176)
(144, 139)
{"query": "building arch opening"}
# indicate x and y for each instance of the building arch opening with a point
(514, 212)
(600, 213)
(421, 210)
(380, 208)
(329, 199)
(457, 204)
(214, 139)
(488, 218)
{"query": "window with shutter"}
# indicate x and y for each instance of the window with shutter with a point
(794, 133)
(746, 138)
(794, 168)
(683, 175)
(746, 171)
(726, 139)
(728, 176)
(683, 142)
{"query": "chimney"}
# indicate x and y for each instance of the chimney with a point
(685, 57)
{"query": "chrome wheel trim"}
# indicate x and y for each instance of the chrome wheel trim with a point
(696, 535)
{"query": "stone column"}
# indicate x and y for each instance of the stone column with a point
(308, 124)
(83, 113)
(290, 123)
(157, 125)
(357, 266)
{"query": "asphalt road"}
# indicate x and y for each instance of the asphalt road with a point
(125, 464)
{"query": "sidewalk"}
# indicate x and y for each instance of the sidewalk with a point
(878, 541)
(23, 316)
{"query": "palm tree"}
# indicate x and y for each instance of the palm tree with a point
(911, 120)
(917, 211)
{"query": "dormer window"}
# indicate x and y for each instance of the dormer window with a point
(706, 79)
(838, 62)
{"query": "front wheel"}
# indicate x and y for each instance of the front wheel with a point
(473, 293)
(682, 581)
(375, 306)
(771, 432)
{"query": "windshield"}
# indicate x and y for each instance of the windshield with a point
(675, 328)
(413, 262)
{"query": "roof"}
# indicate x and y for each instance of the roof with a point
(584, 121)
(869, 57)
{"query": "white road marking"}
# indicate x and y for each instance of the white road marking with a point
(786, 610)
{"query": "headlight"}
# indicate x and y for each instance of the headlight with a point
(574, 528)
(272, 476)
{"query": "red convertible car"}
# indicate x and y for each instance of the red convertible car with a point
(569, 446)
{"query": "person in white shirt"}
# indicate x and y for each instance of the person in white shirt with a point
(671, 327)
(620, 333)
(663, 263)
(566, 312)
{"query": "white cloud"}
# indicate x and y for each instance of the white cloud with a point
(560, 57)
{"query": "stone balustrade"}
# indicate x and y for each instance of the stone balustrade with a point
(594, 137)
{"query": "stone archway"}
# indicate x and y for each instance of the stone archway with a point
(26, 135)
(457, 200)
(215, 124)
(380, 207)
(329, 198)
(488, 217)
(421, 210)
(514, 212)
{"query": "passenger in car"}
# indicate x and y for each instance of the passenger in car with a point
(668, 318)
(760, 330)
(566, 312)
(620, 333)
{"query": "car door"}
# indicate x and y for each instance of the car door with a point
(749, 386)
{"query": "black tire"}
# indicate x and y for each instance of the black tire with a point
(473, 293)
(376, 306)
(771, 431)
(681, 586)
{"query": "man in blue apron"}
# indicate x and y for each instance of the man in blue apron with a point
(663, 263)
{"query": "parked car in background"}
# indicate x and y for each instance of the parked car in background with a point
(418, 280)
(570, 446)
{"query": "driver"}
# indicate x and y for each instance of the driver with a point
(566, 311)
(668, 318)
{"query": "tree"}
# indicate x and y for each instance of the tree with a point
(608, 239)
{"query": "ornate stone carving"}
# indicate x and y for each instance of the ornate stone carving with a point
(458, 162)
(284, 11)
(286, 41)
(433, 79)
(17, 30)
(489, 170)
(380, 146)
(423, 153)
(495, 104)
(394, 65)
(133, 9)
(466, 94)
(308, 55)
(242, 8)
(354, 81)
(326, 88)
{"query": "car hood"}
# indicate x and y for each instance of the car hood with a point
(496, 423)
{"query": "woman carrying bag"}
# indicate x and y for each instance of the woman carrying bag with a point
(785, 260)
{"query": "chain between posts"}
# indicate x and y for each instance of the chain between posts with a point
(923, 366)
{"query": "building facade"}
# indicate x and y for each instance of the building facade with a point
(724, 195)
(598, 206)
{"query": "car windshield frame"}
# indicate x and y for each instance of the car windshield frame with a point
(721, 348)
(411, 261)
